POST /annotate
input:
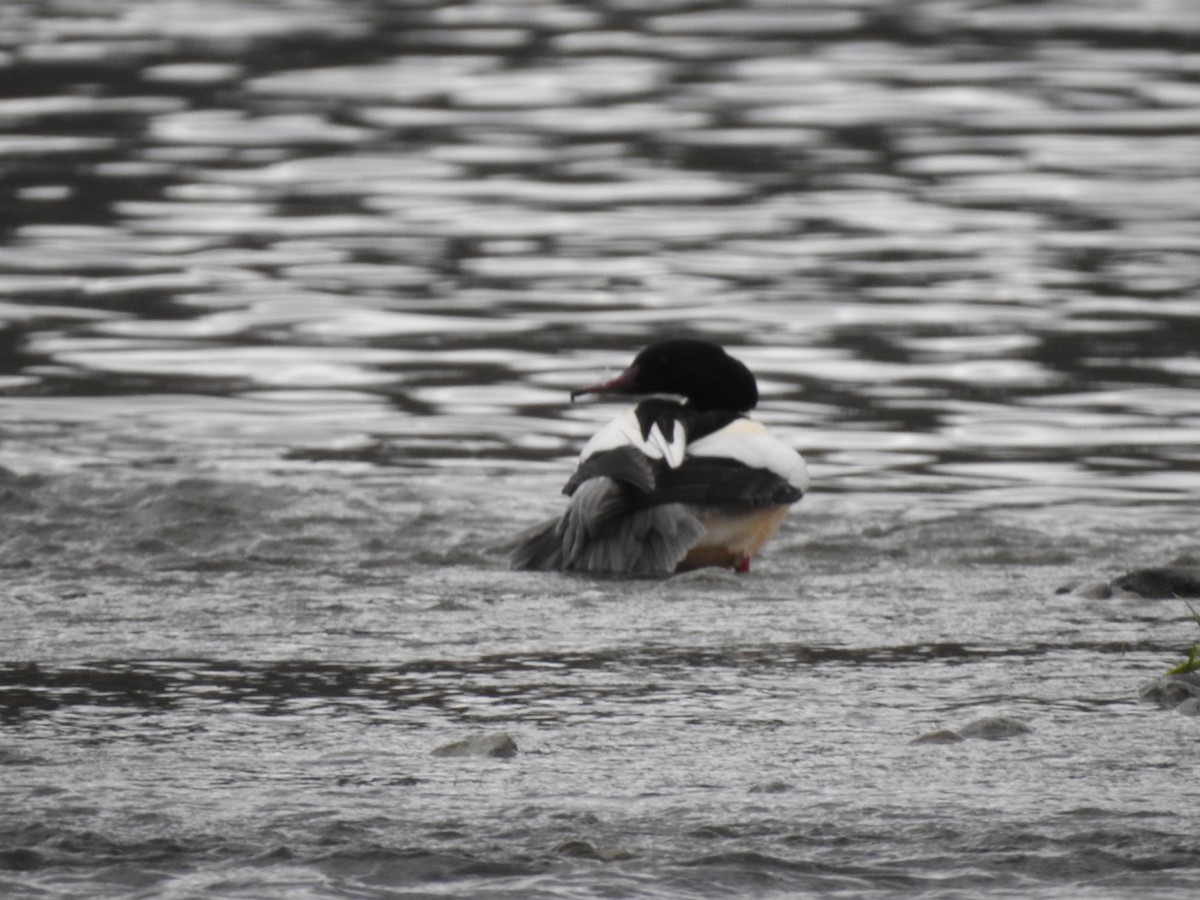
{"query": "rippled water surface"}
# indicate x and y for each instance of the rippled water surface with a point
(292, 295)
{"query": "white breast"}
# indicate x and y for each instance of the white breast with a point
(626, 431)
(751, 444)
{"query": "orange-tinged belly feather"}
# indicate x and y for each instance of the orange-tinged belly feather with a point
(732, 536)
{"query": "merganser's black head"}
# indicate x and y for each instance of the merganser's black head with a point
(700, 371)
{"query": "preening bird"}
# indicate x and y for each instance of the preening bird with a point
(682, 480)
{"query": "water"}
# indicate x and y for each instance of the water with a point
(291, 298)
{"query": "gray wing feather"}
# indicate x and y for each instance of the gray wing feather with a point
(624, 464)
(599, 533)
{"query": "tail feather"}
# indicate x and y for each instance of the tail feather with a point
(539, 548)
(587, 515)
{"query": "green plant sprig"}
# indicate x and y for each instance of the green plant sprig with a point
(1192, 663)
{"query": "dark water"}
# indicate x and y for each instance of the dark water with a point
(291, 298)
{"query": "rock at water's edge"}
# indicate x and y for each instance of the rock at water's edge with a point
(498, 745)
(1161, 584)
(1170, 691)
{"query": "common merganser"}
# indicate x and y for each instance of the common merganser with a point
(669, 486)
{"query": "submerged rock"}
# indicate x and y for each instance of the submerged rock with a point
(1092, 590)
(499, 745)
(990, 728)
(586, 850)
(772, 787)
(1189, 707)
(995, 728)
(1171, 691)
(577, 848)
(940, 736)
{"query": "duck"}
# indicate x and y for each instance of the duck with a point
(682, 480)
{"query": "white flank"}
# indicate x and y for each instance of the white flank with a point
(752, 445)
